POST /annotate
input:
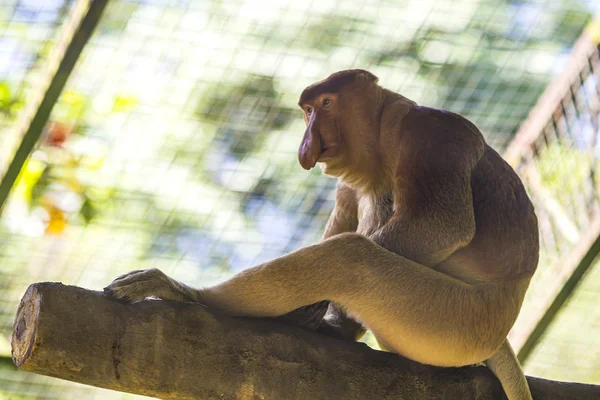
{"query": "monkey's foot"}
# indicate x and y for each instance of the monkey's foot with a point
(140, 284)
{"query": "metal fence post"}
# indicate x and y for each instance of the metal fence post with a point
(76, 31)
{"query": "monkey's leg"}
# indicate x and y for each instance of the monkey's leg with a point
(416, 311)
(420, 313)
(139, 284)
(505, 365)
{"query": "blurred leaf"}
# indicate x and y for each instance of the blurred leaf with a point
(56, 133)
(70, 107)
(58, 221)
(125, 103)
(28, 179)
(87, 211)
(10, 103)
(562, 169)
(4, 94)
(4, 347)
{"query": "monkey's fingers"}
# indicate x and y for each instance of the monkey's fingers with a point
(138, 285)
(128, 293)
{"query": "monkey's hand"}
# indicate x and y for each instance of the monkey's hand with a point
(138, 285)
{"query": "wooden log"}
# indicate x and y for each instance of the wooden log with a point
(175, 350)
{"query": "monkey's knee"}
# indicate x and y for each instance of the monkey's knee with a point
(348, 238)
(354, 245)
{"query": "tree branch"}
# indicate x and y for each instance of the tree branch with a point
(184, 351)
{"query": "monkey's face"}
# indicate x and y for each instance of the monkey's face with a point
(322, 141)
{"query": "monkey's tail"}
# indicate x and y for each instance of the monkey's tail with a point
(505, 365)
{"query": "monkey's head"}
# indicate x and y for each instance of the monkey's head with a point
(341, 116)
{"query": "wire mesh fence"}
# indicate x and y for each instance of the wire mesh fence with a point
(174, 143)
(560, 172)
(26, 32)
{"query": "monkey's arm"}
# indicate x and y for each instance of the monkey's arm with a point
(344, 217)
(433, 201)
(440, 226)
(329, 318)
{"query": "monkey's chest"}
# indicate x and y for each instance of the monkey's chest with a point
(374, 213)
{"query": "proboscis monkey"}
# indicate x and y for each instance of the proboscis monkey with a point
(431, 244)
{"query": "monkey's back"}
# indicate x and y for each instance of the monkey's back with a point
(506, 241)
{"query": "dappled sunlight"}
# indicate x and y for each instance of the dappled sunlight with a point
(174, 143)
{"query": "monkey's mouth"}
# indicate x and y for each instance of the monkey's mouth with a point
(328, 152)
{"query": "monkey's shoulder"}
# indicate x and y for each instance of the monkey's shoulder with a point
(441, 133)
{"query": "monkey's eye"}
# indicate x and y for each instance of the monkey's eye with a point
(326, 102)
(308, 110)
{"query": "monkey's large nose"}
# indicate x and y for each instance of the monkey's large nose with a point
(310, 150)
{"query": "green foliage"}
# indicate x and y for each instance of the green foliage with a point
(246, 112)
(562, 169)
(195, 108)
(116, 17)
(9, 102)
(333, 31)
(70, 107)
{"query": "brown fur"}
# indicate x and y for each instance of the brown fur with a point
(431, 244)
(334, 82)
